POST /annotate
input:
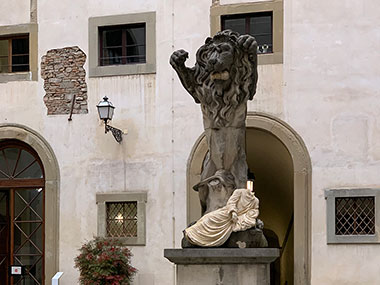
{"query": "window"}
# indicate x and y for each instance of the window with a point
(121, 219)
(351, 215)
(258, 25)
(22, 217)
(14, 54)
(122, 216)
(355, 216)
(263, 20)
(18, 53)
(122, 44)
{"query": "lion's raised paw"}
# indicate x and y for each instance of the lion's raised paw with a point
(178, 58)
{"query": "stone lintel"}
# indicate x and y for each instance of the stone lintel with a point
(222, 255)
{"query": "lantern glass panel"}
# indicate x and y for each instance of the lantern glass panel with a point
(103, 112)
(110, 114)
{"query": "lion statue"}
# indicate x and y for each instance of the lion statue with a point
(223, 79)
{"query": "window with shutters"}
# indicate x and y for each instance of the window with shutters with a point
(18, 53)
(14, 54)
(122, 44)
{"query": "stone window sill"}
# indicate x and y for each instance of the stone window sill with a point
(19, 76)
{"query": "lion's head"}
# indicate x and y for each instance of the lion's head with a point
(226, 71)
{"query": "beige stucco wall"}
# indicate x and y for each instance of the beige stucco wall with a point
(14, 12)
(327, 90)
(331, 98)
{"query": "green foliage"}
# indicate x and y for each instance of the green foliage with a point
(104, 261)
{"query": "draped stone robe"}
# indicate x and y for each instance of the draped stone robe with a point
(214, 228)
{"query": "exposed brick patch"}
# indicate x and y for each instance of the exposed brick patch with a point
(64, 75)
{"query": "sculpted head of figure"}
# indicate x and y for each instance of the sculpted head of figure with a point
(226, 68)
(221, 177)
(216, 190)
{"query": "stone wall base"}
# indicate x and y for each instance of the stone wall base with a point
(223, 274)
(222, 266)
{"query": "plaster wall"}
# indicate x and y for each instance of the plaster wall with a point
(327, 90)
(331, 98)
(20, 11)
(226, 2)
(163, 123)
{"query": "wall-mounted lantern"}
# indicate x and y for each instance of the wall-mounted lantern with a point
(105, 110)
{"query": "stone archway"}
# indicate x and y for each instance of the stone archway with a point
(301, 182)
(50, 164)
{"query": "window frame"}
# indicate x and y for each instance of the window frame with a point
(139, 197)
(22, 30)
(96, 70)
(124, 41)
(331, 195)
(275, 6)
(247, 19)
(10, 51)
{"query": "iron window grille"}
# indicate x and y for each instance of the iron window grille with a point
(352, 215)
(14, 54)
(121, 219)
(123, 44)
(259, 25)
(355, 215)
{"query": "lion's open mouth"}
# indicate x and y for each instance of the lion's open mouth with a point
(224, 75)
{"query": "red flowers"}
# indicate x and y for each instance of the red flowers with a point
(104, 262)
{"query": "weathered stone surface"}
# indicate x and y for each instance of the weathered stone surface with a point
(222, 255)
(247, 239)
(223, 265)
(251, 238)
(64, 75)
(223, 79)
(220, 274)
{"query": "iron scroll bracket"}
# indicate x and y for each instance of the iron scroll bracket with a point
(117, 134)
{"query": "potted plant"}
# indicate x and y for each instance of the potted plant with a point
(104, 261)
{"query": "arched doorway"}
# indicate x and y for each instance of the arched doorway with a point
(295, 166)
(25, 195)
(270, 161)
(22, 199)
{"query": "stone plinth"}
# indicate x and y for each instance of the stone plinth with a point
(222, 266)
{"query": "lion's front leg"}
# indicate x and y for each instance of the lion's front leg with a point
(248, 43)
(185, 74)
(178, 58)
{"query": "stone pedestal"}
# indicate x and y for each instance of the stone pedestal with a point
(223, 266)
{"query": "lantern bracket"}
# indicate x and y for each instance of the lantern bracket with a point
(105, 110)
(117, 134)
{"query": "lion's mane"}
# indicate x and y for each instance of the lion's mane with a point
(220, 107)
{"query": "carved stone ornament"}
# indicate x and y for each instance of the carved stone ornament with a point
(214, 228)
(223, 79)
